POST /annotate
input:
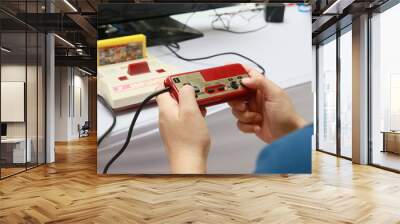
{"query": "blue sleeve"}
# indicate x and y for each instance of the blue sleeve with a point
(289, 154)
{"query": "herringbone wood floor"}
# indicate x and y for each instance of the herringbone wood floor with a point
(70, 191)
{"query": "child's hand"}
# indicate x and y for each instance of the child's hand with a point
(184, 132)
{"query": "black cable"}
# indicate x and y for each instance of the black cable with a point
(238, 32)
(109, 108)
(216, 55)
(227, 27)
(175, 45)
(128, 137)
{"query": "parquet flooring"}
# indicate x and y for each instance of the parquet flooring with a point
(10, 171)
(70, 191)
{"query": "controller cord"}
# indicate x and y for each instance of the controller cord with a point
(177, 46)
(133, 122)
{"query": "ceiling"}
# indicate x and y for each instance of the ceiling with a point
(76, 25)
(328, 16)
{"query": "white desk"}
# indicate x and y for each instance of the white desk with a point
(18, 150)
(284, 49)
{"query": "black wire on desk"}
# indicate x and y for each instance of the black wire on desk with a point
(227, 25)
(175, 45)
(238, 32)
(109, 108)
(215, 55)
(133, 122)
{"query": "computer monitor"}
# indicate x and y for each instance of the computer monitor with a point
(3, 130)
(152, 20)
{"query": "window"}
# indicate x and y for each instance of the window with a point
(22, 76)
(385, 89)
(327, 97)
(346, 93)
(15, 148)
(333, 137)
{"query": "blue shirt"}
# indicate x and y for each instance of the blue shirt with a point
(289, 154)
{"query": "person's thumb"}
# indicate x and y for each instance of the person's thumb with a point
(259, 82)
(187, 99)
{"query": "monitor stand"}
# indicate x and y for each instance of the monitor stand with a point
(158, 31)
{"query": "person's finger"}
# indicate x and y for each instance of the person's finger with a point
(247, 128)
(254, 73)
(259, 82)
(239, 105)
(251, 71)
(255, 82)
(247, 116)
(165, 99)
(255, 103)
(166, 103)
(187, 100)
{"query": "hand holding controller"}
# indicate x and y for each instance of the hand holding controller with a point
(261, 107)
(269, 113)
(182, 125)
(184, 132)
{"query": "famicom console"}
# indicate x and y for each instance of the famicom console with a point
(126, 73)
(213, 85)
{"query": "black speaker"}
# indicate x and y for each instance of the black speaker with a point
(274, 12)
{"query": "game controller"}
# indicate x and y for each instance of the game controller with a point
(213, 85)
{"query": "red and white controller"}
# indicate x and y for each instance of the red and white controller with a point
(213, 85)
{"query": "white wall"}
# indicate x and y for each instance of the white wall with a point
(17, 72)
(12, 101)
(34, 126)
(70, 84)
(61, 103)
(12, 73)
(79, 117)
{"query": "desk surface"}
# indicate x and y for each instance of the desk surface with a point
(284, 49)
